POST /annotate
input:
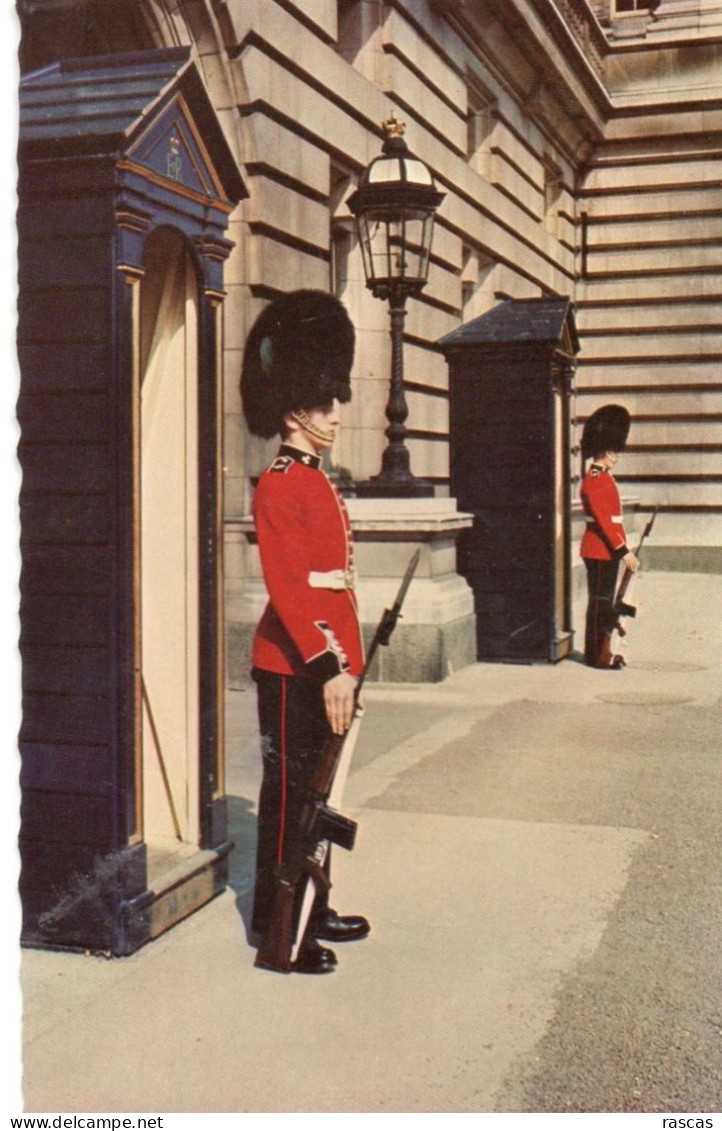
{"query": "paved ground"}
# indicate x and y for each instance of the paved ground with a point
(539, 854)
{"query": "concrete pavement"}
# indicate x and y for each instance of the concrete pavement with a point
(538, 852)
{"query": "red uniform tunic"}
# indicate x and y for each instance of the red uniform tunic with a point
(604, 538)
(310, 625)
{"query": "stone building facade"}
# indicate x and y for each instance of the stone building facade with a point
(578, 145)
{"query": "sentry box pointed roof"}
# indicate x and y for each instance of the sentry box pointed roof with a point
(516, 321)
(101, 105)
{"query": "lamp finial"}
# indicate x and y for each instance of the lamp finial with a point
(393, 126)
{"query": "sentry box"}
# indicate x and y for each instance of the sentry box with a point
(126, 184)
(511, 383)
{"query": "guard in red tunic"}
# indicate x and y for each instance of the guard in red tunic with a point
(307, 651)
(604, 543)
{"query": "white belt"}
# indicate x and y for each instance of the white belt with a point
(334, 579)
(612, 518)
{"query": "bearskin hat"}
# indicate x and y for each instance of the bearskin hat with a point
(298, 354)
(606, 430)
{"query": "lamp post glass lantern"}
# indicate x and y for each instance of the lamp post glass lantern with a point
(394, 207)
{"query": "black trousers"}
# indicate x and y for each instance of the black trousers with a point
(601, 587)
(294, 729)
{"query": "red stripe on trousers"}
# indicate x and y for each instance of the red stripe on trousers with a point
(284, 770)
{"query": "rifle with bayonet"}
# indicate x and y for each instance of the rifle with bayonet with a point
(622, 607)
(320, 824)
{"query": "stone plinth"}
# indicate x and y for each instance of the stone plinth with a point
(436, 634)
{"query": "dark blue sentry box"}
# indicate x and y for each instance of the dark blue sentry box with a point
(126, 185)
(511, 380)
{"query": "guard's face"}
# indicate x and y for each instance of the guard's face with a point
(316, 428)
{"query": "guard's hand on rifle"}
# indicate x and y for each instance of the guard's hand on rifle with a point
(630, 561)
(339, 701)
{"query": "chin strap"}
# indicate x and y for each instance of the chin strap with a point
(307, 424)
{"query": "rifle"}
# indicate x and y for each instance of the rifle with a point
(621, 607)
(320, 824)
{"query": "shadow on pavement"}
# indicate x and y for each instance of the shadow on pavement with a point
(242, 831)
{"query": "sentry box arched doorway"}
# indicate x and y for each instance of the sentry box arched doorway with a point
(126, 187)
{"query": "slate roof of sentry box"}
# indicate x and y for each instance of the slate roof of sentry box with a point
(516, 320)
(96, 104)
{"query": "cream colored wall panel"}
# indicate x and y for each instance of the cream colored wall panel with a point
(370, 318)
(567, 231)
(659, 147)
(671, 431)
(512, 120)
(403, 84)
(670, 174)
(232, 407)
(567, 199)
(279, 207)
(649, 288)
(656, 259)
(234, 318)
(689, 530)
(677, 201)
(368, 402)
(405, 38)
(667, 316)
(235, 268)
(429, 458)
(234, 558)
(443, 286)
(362, 450)
(426, 366)
(673, 229)
(231, 388)
(675, 494)
(637, 129)
(663, 404)
(288, 153)
(235, 488)
(268, 80)
(514, 151)
(501, 240)
(322, 13)
(425, 321)
(270, 21)
(506, 178)
(650, 373)
(360, 41)
(234, 437)
(672, 463)
(428, 413)
(508, 283)
(216, 77)
(448, 245)
(651, 345)
(274, 265)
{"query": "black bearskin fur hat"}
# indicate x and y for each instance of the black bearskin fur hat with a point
(298, 354)
(606, 430)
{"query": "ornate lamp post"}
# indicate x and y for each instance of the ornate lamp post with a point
(394, 207)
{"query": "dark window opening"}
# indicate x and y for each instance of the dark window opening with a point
(622, 7)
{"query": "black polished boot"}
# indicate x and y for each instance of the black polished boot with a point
(333, 927)
(314, 959)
